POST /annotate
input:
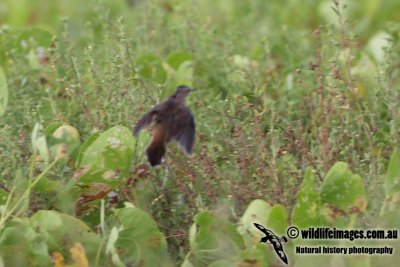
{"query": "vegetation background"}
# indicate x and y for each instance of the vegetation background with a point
(297, 113)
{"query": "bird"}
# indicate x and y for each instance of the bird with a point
(274, 240)
(173, 120)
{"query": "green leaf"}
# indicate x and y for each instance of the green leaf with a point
(66, 198)
(343, 189)
(63, 231)
(184, 74)
(64, 142)
(277, 219)
(180, 74)
(216, 239)
(306, 212)
(20, 245)
(88, 142)
(46, 185)
(260, 255)
(39, 143)
(192, 234)
(392, 183)
(3, 92)
(177, 58)
(108, 157)
(142, 141)
(256, 212)
(140, 240)
(151, 68)
(51, 127)
(376, 45)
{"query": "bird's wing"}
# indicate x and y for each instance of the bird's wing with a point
(279, 250)
(145, 120)
(183, 131)
(261, 228)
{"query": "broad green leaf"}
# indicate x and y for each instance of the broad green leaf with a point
(392, 183)
(3, 92)
(66, 198)
(88, 142)
(21, 245)
(256, 212)
(64, 142)
(148, 58)
(66, 131)
(205, 240)
(62, 231)
(216, 239)
(306, 212)
(177, 58)
(140, 240)
(192, 235)
(108, 157)
(377, 44)
(39, 143)
(184, 74)
(343, 189)
(142, 141)
(51, 127)
(48, 220)
(47, 185)
(277, 219)
(260, 254)
(151, 68)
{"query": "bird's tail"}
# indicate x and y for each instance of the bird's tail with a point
(156, 150)
(155, 154)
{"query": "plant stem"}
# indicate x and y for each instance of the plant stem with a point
(8, 214)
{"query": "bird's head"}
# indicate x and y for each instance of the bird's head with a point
(182, 91)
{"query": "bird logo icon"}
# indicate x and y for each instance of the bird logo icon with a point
(271, 238)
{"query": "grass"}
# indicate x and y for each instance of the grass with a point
(281, 88)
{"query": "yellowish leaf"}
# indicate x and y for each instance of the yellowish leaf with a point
(58, 259)
(79, 256)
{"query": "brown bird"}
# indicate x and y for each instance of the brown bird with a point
(173, 121)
